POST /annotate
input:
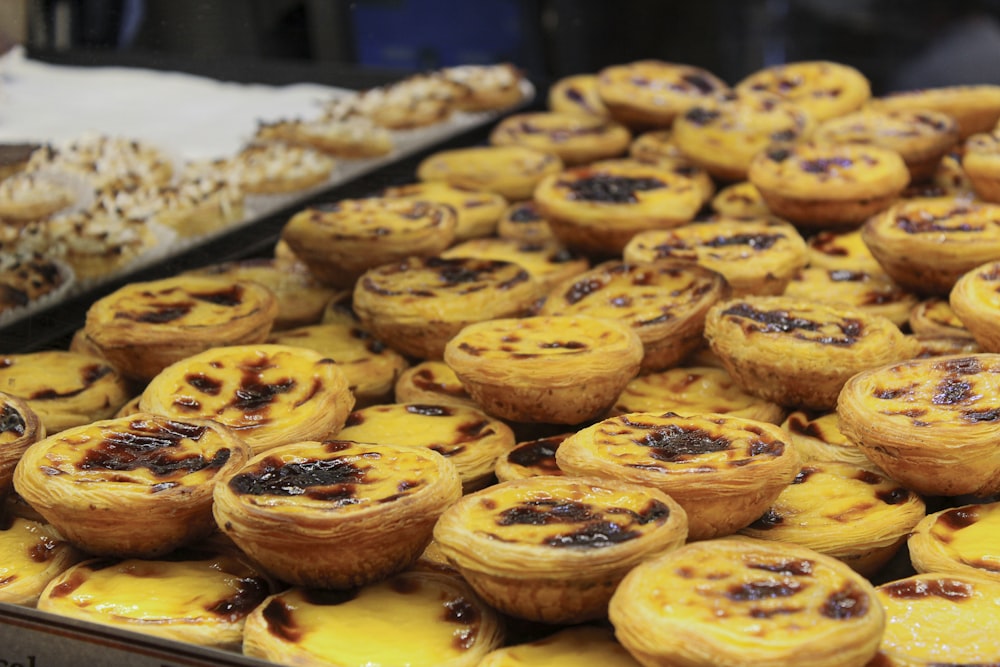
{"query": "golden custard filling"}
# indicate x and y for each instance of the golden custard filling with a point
(543, 259)
(374, 217)
(982, 290)
(416, 280)
(822, 88)
(939, 221)
(845, 250)
(969, 535)
(823, 171)
(183, 301)
(691, 391)
(799, 321)
(657, 85)
(27, 549)
(334, 475)
(523, 340)
(145, 450)
(40, 377)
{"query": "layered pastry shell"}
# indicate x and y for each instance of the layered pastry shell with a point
(740, 601)
(552, 549)
(724, 471)
(432, 383)
(336, 514)
(559, 369)
(32, 554)
(930, 424)
(818, 437)
(961, 540)
(976, 303)
(20, 427)
(137, 486)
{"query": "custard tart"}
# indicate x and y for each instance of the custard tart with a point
(432, 383)
(740, 601)
(755, 255)
(930, 424)
(341, 240)
(828, 186)
(31, 555)
(531, 458)
(20, 427)
(976, 108)
(841, 250)
(197, 598)
(741, 200)
(872, 292)
(822, 88)
(694, 390)
(981, 164)
(370, 366)
(143, 327)
(798, 352)
(557, 369)
(336, 514)
(583, 646)
(935, 317)
(511, 171)
(338, 132)
(853, 514)
(476, 211)
(975, 301)
(64, 389)
(548, 261)
(553, 549)
(926, 245)
(654, 145)
(522, 221)
(417, 305)
(470, 439)
(577, 94)
(962, 540)
(941, 618)
(137, 486)
(596, 209)
(420, 619)
(575, 138)
(817, 437)
(269, 394)
(724, 471)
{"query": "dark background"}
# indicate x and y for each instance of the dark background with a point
(899, 44)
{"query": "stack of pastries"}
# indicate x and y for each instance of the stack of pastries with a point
(712, 404)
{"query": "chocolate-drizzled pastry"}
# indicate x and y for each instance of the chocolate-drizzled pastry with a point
(199, 598)
(576, 139)
(336, 514)
(822, 88)
(962, 540)
(20, 427)
(269, 394)
(926, 245)
(433, 619)
(136, 486)
(577, 94)
(724, 471)
(417, 305)
(511, 171)
(941, 618)
(32, 553)
(930, 423)
(664, 302)
(799, 352)
(976, 303)
(476, 211)
(740, 601)
(557, 369)
(552, 549)
(755, 255)
(143, 327)
(851, 513)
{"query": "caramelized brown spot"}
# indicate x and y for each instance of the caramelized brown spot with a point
(915, 589)
(161, 315)
(804, 474)
(12, 421)
(546, 512)
(672, 442)
(763, 590)
(539, 454)
(791, 567)
(976, 416)
(67, 587)
(280, 621)
(951, 391)
(88, 375)
(331, 480)
(959, 518)
(962, 366)
(464, 613)
(151, 445)
(611, 189)
(888, 394)
(581, 289)
(848, 602)
(768, 520)
(893, 496)
(404, 585)
(250, 592)
(754, 241)
(868, 477)
(204, 384)
(228, 297)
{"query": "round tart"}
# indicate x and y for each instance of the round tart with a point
(740, 200)
(202, 599)
(485, 87)
(342, 240)
(577, 94)
(551, 369)
(531, 458)
(925, 246)
(143, 327)
(470, 439)
(981, 163)
(851, 513)
(653, 92)
(31, 555)
(841, 250)
(269, 394)
(934, 316)
(872, 292)
(962, 540)
(522, 221)
(336, 514)
(739, 601)
(301, 298)
(819, 438)
(476, 211)
(552, 549)
(432, 383)
(724, 471)
(137, 486)
(836, 186)
(575, 138)
(370, 366)
(822, 88)
(931, 423)
(798, 352)
(417, 305)
(939, 619)
(724, 134)
(276, 168)
(511, 171)
(64, 389)
(596, 209)
(20, 427)
(664, 302)
(921, 137)
(694, 390)
(755, 255)
(975, 108)
(548, 261)
(583, 646)
(434, 620)
(655, 145)
(975, 301)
